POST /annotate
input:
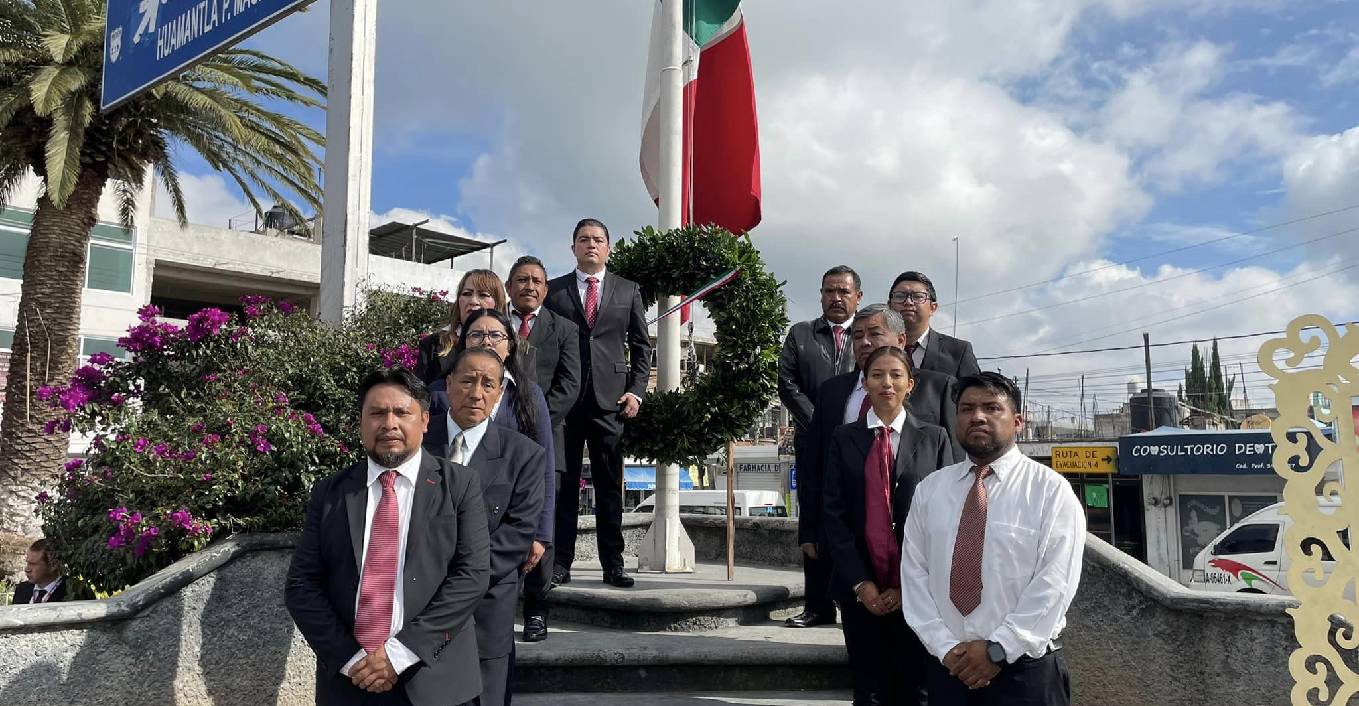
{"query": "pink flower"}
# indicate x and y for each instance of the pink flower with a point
(207, 477)
(205, 322)
(254, 305)
(101, 358)
(43, 498)
(198, 427)
(210, 377)
(74, 463)
(140, 444)
(50, 427)
(46, 392)
(286, 306)
(148, 312)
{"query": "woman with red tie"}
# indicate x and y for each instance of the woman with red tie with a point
(872, 470)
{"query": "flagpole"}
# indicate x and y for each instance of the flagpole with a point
(666, 547)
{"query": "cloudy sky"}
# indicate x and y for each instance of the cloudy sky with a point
(1110, 166)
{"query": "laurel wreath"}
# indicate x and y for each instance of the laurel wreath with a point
(726, 399)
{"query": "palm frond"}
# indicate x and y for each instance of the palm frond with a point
(126, 191)
(169, 176)
(64, 143)
(52, 84)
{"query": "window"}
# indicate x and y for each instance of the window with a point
(110, 269)
(6, 339)
(109, 257)
(1249, 539)
(1205, 516)
(89, 345)
(13, 244)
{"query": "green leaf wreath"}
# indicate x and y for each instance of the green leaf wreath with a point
(722, 402)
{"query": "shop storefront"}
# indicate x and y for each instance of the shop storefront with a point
(1194, 485)
(1113, 503)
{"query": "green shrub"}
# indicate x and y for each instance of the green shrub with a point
(216, 427)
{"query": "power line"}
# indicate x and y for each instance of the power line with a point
(1154, 345)
(1172, 251)
(1163, 280)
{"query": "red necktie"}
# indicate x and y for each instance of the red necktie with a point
(910, 351)
(524, 329)
(591, 300)
(864, 406)
(839, 334)
(965, 580)
(373, 622)
(884, 554)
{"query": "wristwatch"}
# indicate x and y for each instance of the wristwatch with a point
(995, 652)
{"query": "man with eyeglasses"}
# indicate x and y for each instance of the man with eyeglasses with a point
(913, 296)
(814, 352)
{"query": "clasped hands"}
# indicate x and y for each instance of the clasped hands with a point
(878, 602)
(968, 661)
(374, 673)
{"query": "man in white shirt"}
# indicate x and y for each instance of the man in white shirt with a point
(991, 560)
(392, 563)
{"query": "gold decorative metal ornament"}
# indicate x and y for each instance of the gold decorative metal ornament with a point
(1323, 666)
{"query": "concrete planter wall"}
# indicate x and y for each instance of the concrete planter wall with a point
(212, 630)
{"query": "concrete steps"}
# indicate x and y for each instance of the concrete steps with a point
(749, 659)
(777, 698)
(702, 600)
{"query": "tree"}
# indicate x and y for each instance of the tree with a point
(1196, 381)
(51, 58)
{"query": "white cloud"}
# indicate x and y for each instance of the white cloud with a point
(1344, 71)
(209, 201)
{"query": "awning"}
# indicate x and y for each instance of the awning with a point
(1236, 452)
(644, 478)
(411, 242)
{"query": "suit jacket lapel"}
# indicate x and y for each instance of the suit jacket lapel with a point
(356, 505)
(542, 327)
(573, 290)
(610, 290)
(825, 341)
(932, 351)
(424, 501)
(907, 447)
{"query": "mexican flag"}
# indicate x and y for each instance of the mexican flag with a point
(721, 137)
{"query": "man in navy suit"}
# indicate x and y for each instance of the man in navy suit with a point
(510, 466)
(615, 364)
(913, 296)
(392, 563)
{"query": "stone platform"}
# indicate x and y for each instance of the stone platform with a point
(754, 660)
(702, 600)
(775, 698)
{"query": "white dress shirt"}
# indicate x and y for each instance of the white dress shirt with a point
(918, 357)
(1031, 557)
(582, 285)
(472, 437)
(856, 399)
(533, 320)
(406, 474)
(49, 588)
(895, 425)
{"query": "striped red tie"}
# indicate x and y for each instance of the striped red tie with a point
(524, 328)
(373, 622)
(965, 580)
(591, 300)
(864, 406)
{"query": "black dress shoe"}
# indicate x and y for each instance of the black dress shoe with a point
(807, 619)
(560, 576)
(618, 578)
(535, 628)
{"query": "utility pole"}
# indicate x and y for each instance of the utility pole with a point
(1151, 407)
(1080, 421)
(956, 270)
(1027, 434)
(1094, 416)
(1244, 394)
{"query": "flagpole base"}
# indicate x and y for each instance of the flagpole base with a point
(666, 548)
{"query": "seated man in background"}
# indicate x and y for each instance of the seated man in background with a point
(42, 568)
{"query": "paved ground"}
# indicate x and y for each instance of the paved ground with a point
(770, 643)
(706, 587)
(783, 698)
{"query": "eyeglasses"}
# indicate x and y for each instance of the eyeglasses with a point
(912, 297)
(492, 337)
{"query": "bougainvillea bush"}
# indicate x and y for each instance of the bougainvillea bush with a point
(215, 426)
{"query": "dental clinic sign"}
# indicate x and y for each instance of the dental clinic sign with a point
(147, 41)
(1185, 451)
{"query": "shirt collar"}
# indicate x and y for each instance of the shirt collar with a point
(410, 468)
(1000, 466)
(509, 381)
(471, 436)
(51, 586)
(895, 424)
(581, 276)
(924, 338)
(535, 312)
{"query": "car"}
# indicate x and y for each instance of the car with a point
(1251, 556)
(749, 503)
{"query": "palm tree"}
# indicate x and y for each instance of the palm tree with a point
(51, 60)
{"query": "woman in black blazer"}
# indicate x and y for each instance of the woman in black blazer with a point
(867, 493)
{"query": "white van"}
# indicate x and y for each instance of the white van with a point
(749, 503)
(1250, 557)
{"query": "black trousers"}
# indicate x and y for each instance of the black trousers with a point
(889, 664)
(601, 431)
(538, 582)
(1028, 682)
(816, 573)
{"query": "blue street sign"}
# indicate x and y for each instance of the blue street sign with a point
(792, 477)
(147, 41)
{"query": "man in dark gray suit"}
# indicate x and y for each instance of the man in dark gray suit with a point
(510, 466)
(815, 351)
(615, 365)
(913, 296)
(392, 563)
(554, 354)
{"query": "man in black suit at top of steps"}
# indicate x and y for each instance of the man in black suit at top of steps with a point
(615, 362)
